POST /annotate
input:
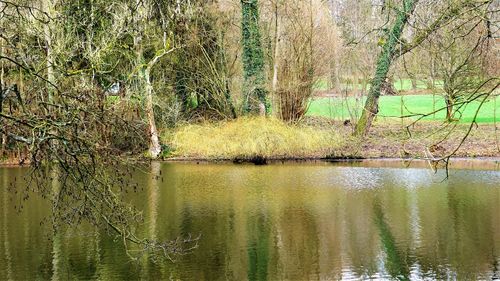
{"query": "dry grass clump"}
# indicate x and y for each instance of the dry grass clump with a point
(246, 138)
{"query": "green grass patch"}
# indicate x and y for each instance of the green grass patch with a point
(396, 106)
(246, 138)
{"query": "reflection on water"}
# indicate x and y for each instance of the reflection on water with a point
(294, 222)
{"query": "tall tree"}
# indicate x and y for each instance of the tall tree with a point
(144, 75)
(254, 88)
(384, 62)
(47, 7)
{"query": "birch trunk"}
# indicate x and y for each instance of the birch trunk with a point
(145, 75)
(154, 143)
(47, 8)
(144, 82)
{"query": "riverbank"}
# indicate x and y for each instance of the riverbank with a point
(261, 140)
(13, 158)
(321, 138)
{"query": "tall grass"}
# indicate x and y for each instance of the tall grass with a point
(246, 138)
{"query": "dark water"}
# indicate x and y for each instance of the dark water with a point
(277, 222)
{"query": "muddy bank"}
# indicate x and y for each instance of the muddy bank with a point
(425, 139)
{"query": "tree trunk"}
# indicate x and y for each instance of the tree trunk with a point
(254, 86)
(449, 108)
(495, 121)
(276, 49)
(4, 137)
(413, 82)
(336, 84)
(229, 101)
(145, 76)
(47, 7)
(145, 80)
(432, 75)
(154, 144)
(384, 62)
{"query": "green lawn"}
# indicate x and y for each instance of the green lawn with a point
(390, 106)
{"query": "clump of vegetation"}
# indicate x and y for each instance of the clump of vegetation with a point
(248, 138)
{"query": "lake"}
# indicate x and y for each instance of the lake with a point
(307, 221)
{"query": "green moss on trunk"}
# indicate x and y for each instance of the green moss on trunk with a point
(384, 62)
(254, 87)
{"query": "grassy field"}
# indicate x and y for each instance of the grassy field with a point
(391, 106)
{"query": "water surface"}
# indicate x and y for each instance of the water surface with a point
(305, 221)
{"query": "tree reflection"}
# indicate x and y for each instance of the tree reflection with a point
(269, 226)
(6, 240)
(396, 262)
(258, 247)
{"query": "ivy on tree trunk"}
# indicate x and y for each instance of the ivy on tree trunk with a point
(384, 62)
(254, 87)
